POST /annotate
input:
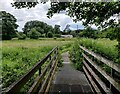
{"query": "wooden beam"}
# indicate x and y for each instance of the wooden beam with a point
(97, 90)
(17, 85)
(102, 59)
(39, 78)
(108, 77)
(100, 82)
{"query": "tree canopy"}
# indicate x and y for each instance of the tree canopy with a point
(41, 27)
(9, 25)
(96, 13)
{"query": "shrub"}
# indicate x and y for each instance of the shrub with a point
(76, 56)
(57, 35)
(55, 38)
(49, 35)
(34, 34)
(21, 36)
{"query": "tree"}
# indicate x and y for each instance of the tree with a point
(49, 35)
(41, 27)
(9, 25)
(57, 29)
(89, 12)
(88, 32)
(21, 35)
(33, 34)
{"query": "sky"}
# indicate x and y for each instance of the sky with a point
(39, 13)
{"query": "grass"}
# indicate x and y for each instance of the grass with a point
(36, 43)
(104, 47)
(18, 56)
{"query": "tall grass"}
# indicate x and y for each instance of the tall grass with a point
(104, 47)
(18, 56)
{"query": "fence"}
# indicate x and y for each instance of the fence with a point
(101, 81)
(42, 81)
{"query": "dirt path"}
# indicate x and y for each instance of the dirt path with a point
(69, 80)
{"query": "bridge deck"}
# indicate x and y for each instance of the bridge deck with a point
(69, 80)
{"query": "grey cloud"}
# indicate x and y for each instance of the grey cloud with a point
(37, 13)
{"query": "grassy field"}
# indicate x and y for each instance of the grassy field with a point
(18, 56)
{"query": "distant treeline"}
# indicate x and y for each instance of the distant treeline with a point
(36, 29)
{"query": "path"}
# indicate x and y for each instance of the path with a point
(69, 80)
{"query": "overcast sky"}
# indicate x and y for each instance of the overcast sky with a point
(38, 13)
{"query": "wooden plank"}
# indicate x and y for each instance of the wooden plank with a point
(108, 77)
(102, 59)
(100, 82)
(46, 80)
(97, 90)
(39, 79)
(17, 85)
(49, 83)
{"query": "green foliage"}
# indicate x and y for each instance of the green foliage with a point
(55, 38)
(88, 33)
(60, 64)
(57, 35)
(49, 35)
(111, 33)
(57, 29)
(104, 47)
(76, 56)
(9, 25)
(40, 27)
(19, 56)
(21, 36)
(34, 34)
(65, 48)
(16, 62)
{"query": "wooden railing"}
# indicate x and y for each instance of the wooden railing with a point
(42, 82)
(95, 73)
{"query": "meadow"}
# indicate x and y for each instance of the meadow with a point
(18, 56)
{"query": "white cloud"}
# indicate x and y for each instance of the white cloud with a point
(37, 13)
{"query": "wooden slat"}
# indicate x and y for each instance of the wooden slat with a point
(39, 79)
(108, 77)
(102, 59)
(47, 78)
(97, 90)
(100, 82)
(49, 83)
(17, 85)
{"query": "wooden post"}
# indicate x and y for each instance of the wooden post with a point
(50, 62)
(55, 54)
(112, 75)
(40, 71)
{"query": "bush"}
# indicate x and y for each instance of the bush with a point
(57, 35)
(49, 35)
(21, 36)
(76, 56)
(55, 38)
(34, 34)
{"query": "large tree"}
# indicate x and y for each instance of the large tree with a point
(9, 25)
(57, 29)
(41, 27)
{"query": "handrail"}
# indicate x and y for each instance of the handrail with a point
(17, 85)
(102, 59)
(89, 71)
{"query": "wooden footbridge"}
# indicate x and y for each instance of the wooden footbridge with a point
(51, 79)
